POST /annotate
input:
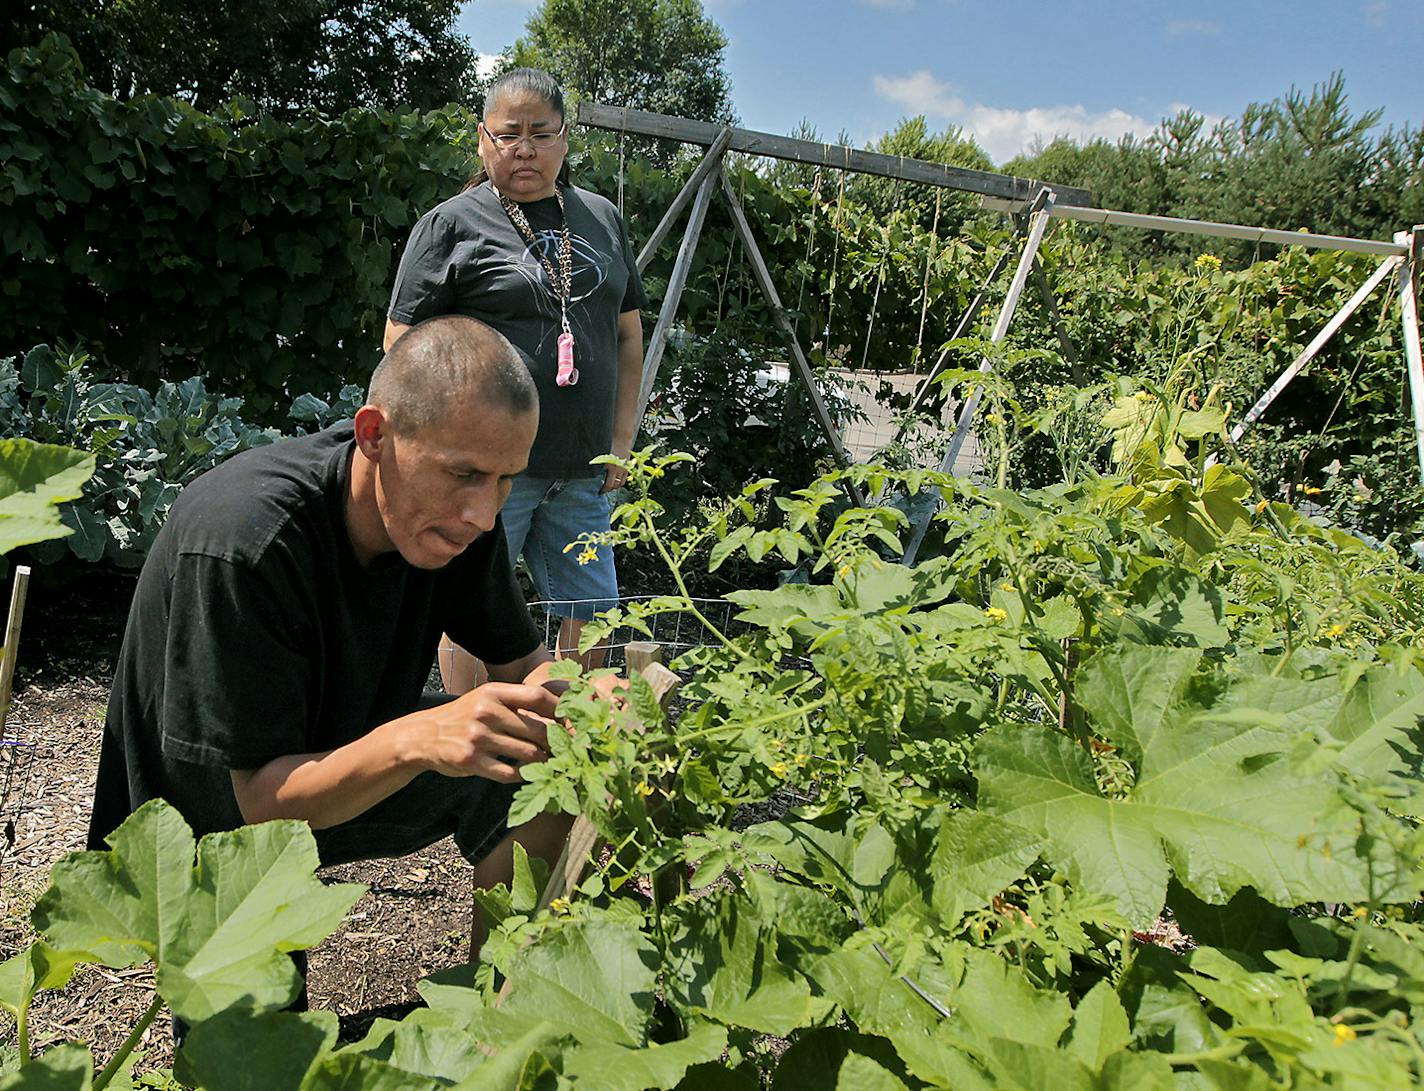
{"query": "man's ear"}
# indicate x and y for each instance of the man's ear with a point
(373, 431)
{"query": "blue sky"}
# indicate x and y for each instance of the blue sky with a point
(1010, 72)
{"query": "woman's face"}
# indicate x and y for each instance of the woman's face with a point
(524, 169)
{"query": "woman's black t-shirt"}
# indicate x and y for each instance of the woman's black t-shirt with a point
(465, 256)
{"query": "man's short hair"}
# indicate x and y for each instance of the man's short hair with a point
(442, 360)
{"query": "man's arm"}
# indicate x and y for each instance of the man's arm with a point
(488, 732)
(625, 401)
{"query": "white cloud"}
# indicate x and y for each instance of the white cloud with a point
(1178, 27)
(1374, 13)
(1001, 131)
(486, 63)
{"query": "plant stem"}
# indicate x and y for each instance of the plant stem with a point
(1220, 1053)
(1357, 945)
(676, 572)
(762, 721)
(116, 1062)
(22, 1034)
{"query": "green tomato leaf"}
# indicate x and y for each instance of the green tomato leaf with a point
(975, 857)
(1100, 1027)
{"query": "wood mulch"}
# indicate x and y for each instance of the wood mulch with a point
(414, 920)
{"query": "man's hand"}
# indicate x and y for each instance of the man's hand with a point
(489, 732)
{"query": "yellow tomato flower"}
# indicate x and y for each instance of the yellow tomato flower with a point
(559, 905)
(1207, 263)
(1262, 506)
(996, 613)
(645, 789)
(1344, 1033)
(1311, 490)
(1335, 630)
(779, 769)
(588, 554)
(800, 760)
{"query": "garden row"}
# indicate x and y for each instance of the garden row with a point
(1119, 789)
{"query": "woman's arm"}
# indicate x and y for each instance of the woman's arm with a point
(625, 403)
(393, 331)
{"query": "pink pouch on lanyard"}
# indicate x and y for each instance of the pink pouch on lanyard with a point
(568, 374)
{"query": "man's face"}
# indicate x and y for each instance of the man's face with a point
(440, 488)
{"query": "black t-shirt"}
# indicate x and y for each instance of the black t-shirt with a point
(465, 256)
(255, 633)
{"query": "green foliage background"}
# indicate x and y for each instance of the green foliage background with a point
(258, 253)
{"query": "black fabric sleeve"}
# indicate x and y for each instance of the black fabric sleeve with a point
(487, 615)
(425, 279)
(236, 680)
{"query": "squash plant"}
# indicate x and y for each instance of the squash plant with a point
(1089, 799)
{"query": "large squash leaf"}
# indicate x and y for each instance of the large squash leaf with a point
(217, 931)
(34, 478)
(1215, 799)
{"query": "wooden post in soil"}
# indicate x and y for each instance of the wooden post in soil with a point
(1409, 277)
(18, 593)
(567, 873)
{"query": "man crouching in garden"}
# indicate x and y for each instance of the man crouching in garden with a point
(286, 620)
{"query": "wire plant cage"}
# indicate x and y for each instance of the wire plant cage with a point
(674, 633)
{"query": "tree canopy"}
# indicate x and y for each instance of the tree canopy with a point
(659, 55)
(331, 55)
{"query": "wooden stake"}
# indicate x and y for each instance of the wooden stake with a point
(1409, 275)
(691, 186)
(658, 341)
(1318, 342)
(1038, 224)
(788, 332)
(18, 593)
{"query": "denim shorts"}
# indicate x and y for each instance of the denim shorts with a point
(541, 517)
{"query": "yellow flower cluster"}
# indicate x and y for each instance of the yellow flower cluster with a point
(587, 555)
(996, 613)
(1208, 263)
(778, 769)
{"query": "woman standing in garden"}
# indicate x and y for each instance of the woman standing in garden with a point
(548, 265)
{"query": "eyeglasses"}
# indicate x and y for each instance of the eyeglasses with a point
(538, 141)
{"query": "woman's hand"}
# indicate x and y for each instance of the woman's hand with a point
(614, 477)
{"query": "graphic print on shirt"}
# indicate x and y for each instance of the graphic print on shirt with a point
(590, 270)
